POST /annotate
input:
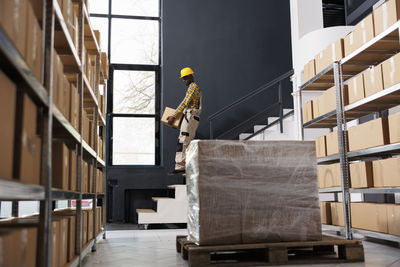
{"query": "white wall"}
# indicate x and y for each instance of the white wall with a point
(308, 39)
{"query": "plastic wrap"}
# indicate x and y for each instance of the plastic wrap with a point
(251, 192)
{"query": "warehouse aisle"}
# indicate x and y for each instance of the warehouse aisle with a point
(156, 248)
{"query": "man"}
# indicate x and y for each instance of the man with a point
(191, 109)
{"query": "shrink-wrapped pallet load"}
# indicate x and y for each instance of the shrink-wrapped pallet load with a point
(251, 192)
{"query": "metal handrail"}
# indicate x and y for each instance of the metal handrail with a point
(278, 81)
(251, 94)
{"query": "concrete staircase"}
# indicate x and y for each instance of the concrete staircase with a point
(273, 133)
(169, 210)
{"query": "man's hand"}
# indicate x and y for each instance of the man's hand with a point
(170, 120)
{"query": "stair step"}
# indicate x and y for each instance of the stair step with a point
(244, 135)
(286, 111)
(158, 198)
(145, 211)
(173, 185)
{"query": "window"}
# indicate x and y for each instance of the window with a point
(134, 41)
(145, 8)
(132, 28)
(134, 92)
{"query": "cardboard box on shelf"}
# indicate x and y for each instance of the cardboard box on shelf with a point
(309, 70)
(60, 165)
(71, 237)
(369, 134)
(19, 246)
(85, 127)
(386, 172)
(393, 212)
(326, 217)
(34, 44)
(37, 6)
(320, 146)
(386, 15)
(337, 213)
(62, 239)
(84, 227)
(391, 71)
(72, 159)
(29, 170)
(361, 174)
(14, 21)
(58, 82)
(369, 216)
(334, 52)
(330, 175)
(356, 89)
(76, 26)
(90, 179)
(99, 184)
(66, 98)
(308, 112)
(91, 131)
(30, 236)
(98, 220)
(363, 32)
(332, 143)
(327, 101)
(97, 34)
(90, 225)
(373, 80)
(74, 107)
(315, 108)
(8, 100)
(85, 177)
(55, 244)
(394, 128)
(104, 63)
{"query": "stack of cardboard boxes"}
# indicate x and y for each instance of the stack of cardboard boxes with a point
(20, 242)
(375, 133)
(19, 21)
(21, 125)
(383, 218)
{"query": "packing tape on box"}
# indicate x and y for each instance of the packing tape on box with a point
(15, 15)
(24, 242)
(355, 86)
(372, 74)
(35, 43)
(351, 38)
(392, 68)
(385, 16)
(363, 31)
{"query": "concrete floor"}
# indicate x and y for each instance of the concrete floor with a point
(156, 248)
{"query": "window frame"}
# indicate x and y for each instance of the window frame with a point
(133, 67)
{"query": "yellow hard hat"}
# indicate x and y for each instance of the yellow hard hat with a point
(186, 71)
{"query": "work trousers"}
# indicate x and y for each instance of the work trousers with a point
(190, 123)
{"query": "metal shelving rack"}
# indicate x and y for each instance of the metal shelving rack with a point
(55, 126)
(377, 50)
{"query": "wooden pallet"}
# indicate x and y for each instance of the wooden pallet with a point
(307, 252)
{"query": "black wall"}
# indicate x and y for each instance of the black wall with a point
(234, 46)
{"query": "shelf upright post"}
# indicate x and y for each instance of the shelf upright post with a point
(44, 231)
(342, 136)
(94, 173)
(78, 227)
